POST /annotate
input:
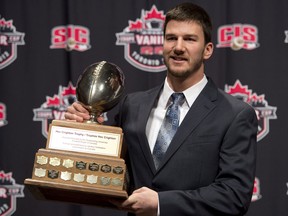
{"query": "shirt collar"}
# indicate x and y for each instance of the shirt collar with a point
(190, 94)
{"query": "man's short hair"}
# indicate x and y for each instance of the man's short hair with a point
(191, 12)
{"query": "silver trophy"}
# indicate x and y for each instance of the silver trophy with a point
(99, 88)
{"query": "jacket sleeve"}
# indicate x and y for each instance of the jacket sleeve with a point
(230, 193)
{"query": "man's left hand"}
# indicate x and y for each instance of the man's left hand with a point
(142, 202)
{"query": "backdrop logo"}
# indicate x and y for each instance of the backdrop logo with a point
(71, 37)
(9, 191)
(9, 39)
(238, 36)
(256, 190)
(55, 107)
(143, 41)
(3, 120)
(286, 36)
(263, 111)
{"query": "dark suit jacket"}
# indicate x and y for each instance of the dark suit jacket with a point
(209, 166)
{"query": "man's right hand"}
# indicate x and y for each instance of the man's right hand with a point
(77, 113)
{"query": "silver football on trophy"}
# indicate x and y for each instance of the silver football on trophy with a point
(99, 88)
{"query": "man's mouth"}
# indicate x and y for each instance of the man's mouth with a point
(178, 59)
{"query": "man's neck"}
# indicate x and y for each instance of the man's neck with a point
(180, 84)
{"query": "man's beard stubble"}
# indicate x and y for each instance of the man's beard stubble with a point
(186, 73)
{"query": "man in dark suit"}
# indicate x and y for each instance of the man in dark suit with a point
(209, 166)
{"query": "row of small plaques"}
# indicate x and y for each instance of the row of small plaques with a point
(68, 163)
(67, 176)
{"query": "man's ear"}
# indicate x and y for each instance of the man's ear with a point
(209, 47)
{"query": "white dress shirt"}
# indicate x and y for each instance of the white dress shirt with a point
(158, 113)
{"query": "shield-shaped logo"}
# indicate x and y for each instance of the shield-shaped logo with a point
(9, 40)
(143, 41)
(9, 191)
(263, 111)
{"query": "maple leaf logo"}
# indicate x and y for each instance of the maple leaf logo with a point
(263, 111)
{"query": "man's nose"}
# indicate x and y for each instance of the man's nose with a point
(179, 46)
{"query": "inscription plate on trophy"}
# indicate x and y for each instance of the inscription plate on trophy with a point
(87, 141)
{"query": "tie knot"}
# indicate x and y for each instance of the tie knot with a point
(177, 98)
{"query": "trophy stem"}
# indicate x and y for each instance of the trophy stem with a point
(93, 118)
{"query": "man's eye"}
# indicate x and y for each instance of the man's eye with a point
(171, 38)
(190, 39)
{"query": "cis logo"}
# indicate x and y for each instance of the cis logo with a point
(3, 120)
(238, 36)
(256, 190)
(71, 37)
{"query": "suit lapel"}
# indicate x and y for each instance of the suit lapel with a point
(202, 106)
(147, 103)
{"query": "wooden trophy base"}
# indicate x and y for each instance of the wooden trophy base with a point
(45, 190)
(78, 177)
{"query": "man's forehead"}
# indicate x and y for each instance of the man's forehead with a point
(190, 27)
